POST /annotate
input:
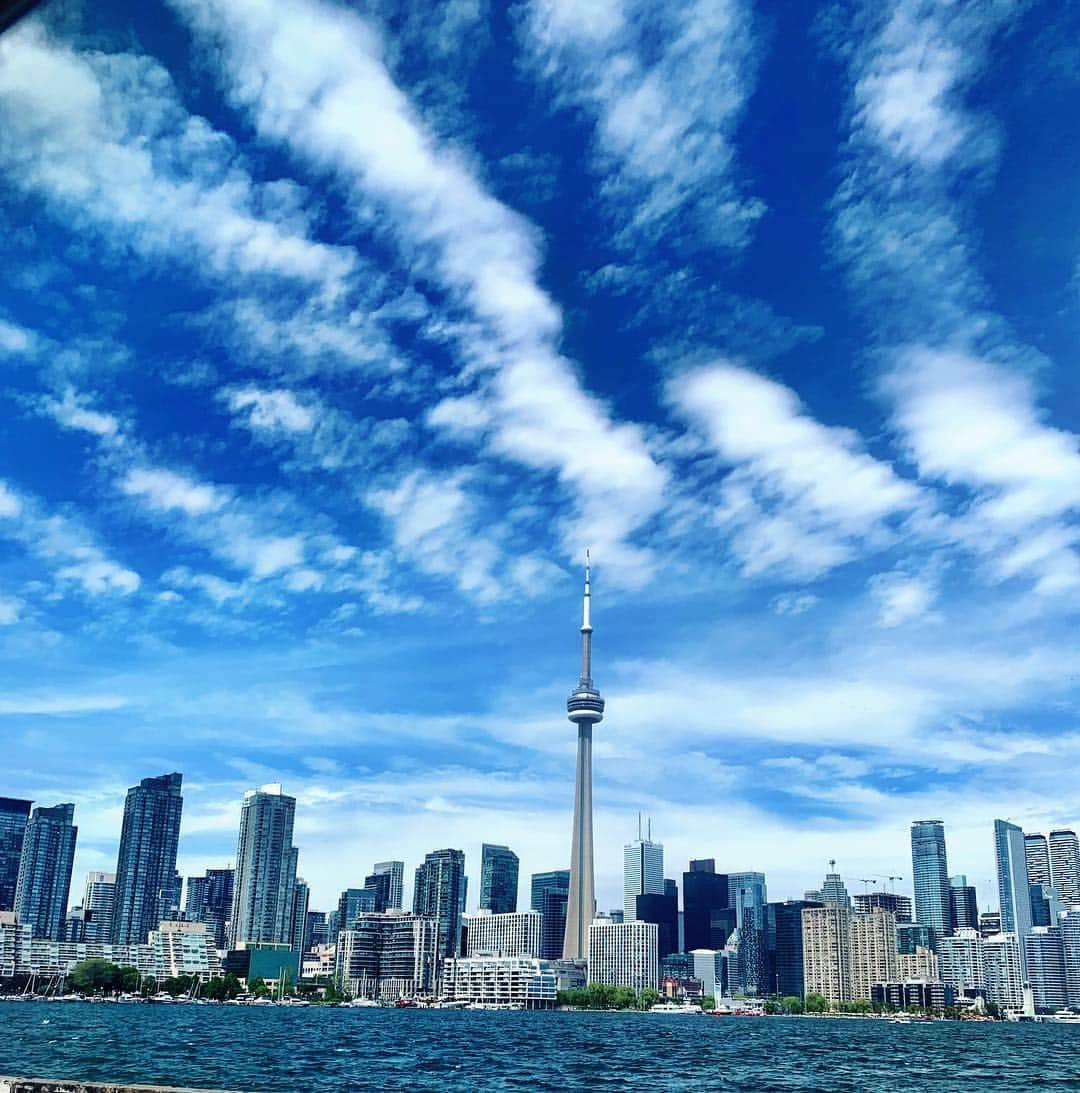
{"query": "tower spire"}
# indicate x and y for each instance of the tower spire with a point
(586, 625)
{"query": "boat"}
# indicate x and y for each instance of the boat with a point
(678, 1009)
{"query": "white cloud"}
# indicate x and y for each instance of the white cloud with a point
(71, 412)
(98, 575)
(165, 490)
(802, 496)
(10, 505)
(794, 603)
(14, 340)
(902, 597)
(271, 410)
(10, 610)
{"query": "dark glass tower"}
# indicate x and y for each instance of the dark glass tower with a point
(14, 815)
(707, 919)
(498, 879)
(548, 895)
(41, 894)
(784, 948)
(146, 864)
(965, 905)
(930, 873)
(663, 910)
(438, 893)
(209, 900)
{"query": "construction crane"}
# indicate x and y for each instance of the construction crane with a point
(866, 882)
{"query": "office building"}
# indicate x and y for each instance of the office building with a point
(1064, 866)
(747, 896)
(963, 903)
(146, 863)
(1037, 857)
(643, 870)
(663, 911)
(708, 918)
(962, 962)
(515, 933)
(1045, 961)
(1045, 905)
(1014, 895)
(585, 708)
(498, 879)
(354, 902)
(548, 894)
(894, 902)
(395, 870)
(14, 815)
(298, 924)
(827, 951)
(388, 956)
(916, 994)
(520, 982)
(439, 894)
(44, 881)
(833, 890)
(1069, 925)
(624, 954)
(784, 947)
(1004, 969)
(914, 935)
(381, 884)
(97, 905)
(315, 932)
(930, 875)
(874, 958)
(262, 909)
(75, 925)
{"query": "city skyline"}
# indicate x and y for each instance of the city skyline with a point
(304, 440)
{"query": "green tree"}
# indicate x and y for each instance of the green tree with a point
(707, 1002)
(773, 1005)
(647, 998)
(95, 975)
(816, 1003)
(128, 979)
(258, 988)
(792, 1003)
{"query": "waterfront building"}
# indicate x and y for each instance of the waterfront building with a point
(747, 896)
(395, 870)
(388, 956)
(895, 902)
(1069, 925)
(1014, 895)
(498, 879)
(708, 918)
(963, 904)
(827, 952)
(298, 925)
(784, 947)
(874, 958)
(962, 960)
(548, 894)
(913, 994)
(262, 909)
(930, 874)
(922, 964)
(663, 910)
(1065, 866)
(1004, 970)
(515, 933)
(643, 870)
(989, 923)
(439, 894)
(44, 881)
(1045, 961)
(514, 982)
(146, 862)
(14, 815)
(209, 900)
(624, 954)
(1037, 858)
(585, 708)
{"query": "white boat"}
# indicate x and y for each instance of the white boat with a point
(360, 1003)
(678, 1009)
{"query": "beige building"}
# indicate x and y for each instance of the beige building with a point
(873, 951)
(920, 966)
(827, 952)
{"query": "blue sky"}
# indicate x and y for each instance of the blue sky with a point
(331, 337)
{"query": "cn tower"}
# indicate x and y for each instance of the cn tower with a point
(585, 708)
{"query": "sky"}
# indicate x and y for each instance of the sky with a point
(332, 336)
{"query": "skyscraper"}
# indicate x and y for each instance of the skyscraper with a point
(266, 859)
(298, 926)
(663, 912)
(784, 947)
(930, 873)
(747, 897)
(395, 870)
(97, 904)
(498, 879)
(1014, 894)
(965, 906)
(438, 893)
(1037, 856)
(14, 815)
(585, 708)
(146, 863)
(1064, 866)
(833, 890)
(549, 892)
(41, 892)
(643, 871)
(708, 919)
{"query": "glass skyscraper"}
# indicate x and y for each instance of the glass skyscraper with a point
(98, 901)
(708, 918)
(146, 864)
(965, 905)
(262, 909)
(395, 870)
(1065, 866)
(438, 893)
(784, 948)
(44, 884)
(747, 896)
(1014, 892)
(14, 815)
(643, 872)
(498, 879)
(1037, 856)
(548, 895)
(930, 874)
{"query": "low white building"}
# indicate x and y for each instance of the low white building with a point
(518, 981)
(515, 933)
(624, 954)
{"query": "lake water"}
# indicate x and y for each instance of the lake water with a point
(273, 1050)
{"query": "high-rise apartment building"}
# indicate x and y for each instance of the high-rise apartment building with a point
(962, 961)
(1037, 856)
(262, 909)
(314, 930)
(989, 923)
(511, 933)
(14, 814)
(1065, 866)
(298, 926)
(209, 900)
(930, 874)
(964, 904)
(624, 954)
(747, 896)
(549, 892)
(1014, 894)
(388, 956)
(388, 877)
(833, 890)
(708, 918)
(894, 902)
(874, 958)
(98, 900)
(643, 871)
(146, 863)
(1045, 960)
(827, 952)
(1069, 924)
(1004, 969)
(438, 893)
(498, 879)
(44, 881)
